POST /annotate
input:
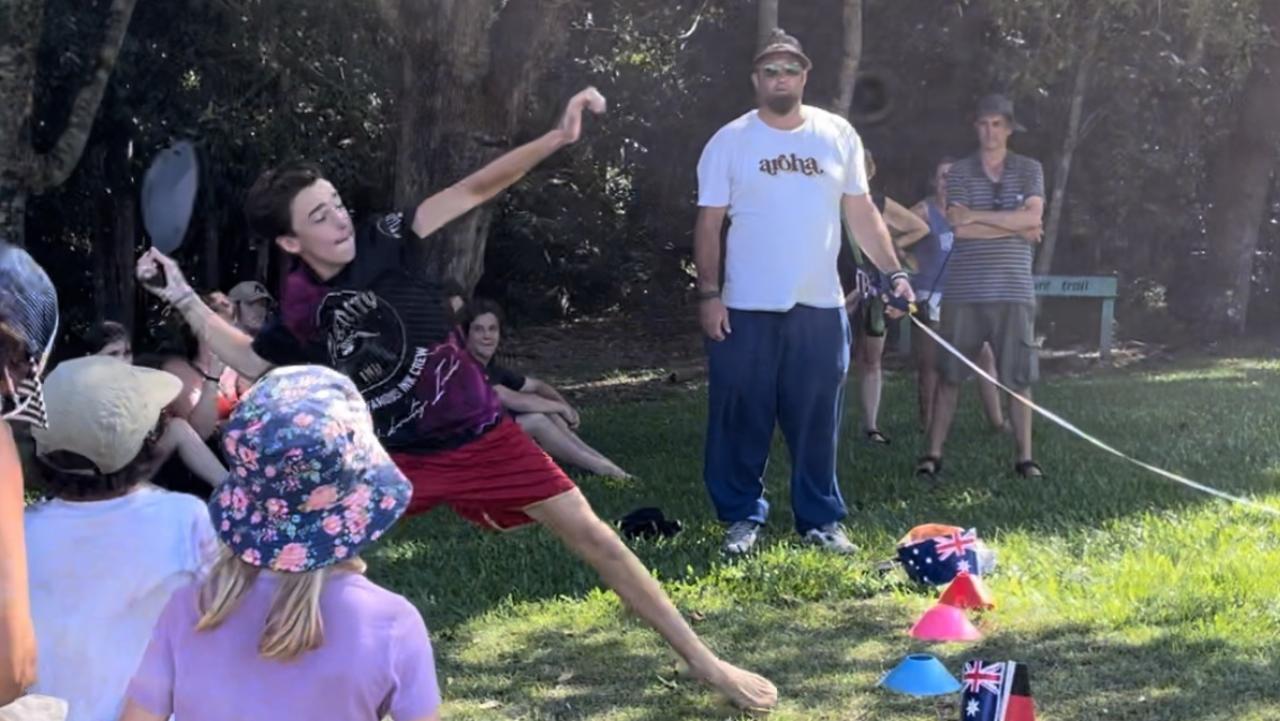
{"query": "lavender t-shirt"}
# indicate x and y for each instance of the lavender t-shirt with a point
(375, 661)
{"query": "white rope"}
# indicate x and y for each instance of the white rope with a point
(1068, 425)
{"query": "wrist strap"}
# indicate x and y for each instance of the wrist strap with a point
(708, 294)
(898, 274)
(182, 299)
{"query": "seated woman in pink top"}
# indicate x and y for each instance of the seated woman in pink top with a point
(287, 627)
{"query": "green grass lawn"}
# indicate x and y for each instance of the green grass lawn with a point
(1128, 596)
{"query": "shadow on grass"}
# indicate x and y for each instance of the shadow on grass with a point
(826, 663)
(1212, 429)
(826, 657)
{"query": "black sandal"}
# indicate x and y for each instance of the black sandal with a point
(1028, 469)
(877, 438)
(928, 468)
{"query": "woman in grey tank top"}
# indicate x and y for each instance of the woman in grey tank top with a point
(867, 315)
(931, 255)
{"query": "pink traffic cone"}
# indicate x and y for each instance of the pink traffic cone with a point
(945, 623)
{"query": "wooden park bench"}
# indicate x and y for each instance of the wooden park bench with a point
(1102, 287)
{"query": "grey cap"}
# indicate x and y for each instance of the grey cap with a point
(28, 312)
(780, 42)
(997, 104)
(169, 195)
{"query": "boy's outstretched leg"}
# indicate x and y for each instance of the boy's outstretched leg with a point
(570, 517)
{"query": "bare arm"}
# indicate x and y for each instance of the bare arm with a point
(134, 712)
(180, 437)
(713, 316)
(17, 635)
(921, 211)
(870, 232)
(982, 231)
(905, 227)
(230, 344)
(706, 246)
(198, 401)
(543, 389)
(479, 187)
(528, 402)
(980, 224)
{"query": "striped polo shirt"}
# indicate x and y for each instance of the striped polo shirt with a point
(996, 270)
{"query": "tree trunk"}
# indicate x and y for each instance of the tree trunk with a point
(121, 290)
(13, 213)
(851, 57)
(57, 164)
(469, 68)
(1057, 201)
(115, 235)
(210, 224)
(1239, 182)
(17, 81)
(22, 170)
(766, 21)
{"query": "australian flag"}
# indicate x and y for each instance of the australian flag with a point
(998, 691)
(937, 560)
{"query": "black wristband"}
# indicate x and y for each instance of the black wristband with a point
(708, 295)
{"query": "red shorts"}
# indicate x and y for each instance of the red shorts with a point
(489, 481)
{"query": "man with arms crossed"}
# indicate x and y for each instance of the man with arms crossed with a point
(995, 203)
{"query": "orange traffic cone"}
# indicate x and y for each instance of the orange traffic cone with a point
(967, 591)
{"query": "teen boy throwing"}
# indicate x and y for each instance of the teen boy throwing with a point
(349, 303)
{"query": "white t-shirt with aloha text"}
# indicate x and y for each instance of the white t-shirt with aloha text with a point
(783, 190)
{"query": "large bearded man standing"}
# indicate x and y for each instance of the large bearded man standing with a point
(777, 334)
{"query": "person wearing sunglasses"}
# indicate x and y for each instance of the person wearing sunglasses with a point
(995, 205)
(777, 336)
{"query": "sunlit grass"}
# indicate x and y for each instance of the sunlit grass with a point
(1130, 597)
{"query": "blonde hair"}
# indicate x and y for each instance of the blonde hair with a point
(293, 625)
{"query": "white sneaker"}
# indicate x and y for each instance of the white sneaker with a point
(740, 537)
(830, 537)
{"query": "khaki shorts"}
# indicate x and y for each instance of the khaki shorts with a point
(1008, 327)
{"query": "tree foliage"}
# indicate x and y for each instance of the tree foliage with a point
(608, 224)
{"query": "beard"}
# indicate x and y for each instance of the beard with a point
(782, 104)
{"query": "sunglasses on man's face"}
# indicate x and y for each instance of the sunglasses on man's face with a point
(774, 70)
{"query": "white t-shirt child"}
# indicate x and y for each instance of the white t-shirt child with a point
(101, 573)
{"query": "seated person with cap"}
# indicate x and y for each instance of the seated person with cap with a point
(107, 551)
(251, 306)
(538, 407)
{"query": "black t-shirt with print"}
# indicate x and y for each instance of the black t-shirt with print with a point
(393, 334)
(503, 376)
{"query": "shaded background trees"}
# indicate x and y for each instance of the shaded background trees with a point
(1153, 120)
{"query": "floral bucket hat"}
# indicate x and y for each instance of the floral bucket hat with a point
(310, 484)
